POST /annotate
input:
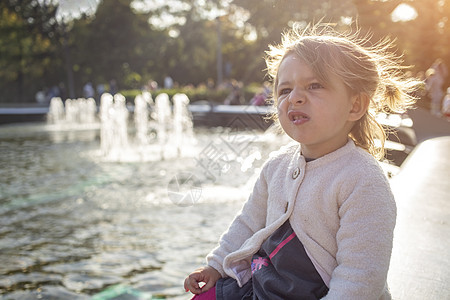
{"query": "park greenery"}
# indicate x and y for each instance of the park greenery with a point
(200, 44)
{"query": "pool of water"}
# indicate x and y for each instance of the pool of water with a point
(73, 223)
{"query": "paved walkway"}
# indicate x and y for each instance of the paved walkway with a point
(428, 126)
(420, 266)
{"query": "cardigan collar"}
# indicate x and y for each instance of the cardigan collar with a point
(327, 158)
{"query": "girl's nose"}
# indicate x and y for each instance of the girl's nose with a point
(297, 97)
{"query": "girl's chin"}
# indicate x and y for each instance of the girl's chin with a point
(298, 139)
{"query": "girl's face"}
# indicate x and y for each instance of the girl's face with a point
(315, 114)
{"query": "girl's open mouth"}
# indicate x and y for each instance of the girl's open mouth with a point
(297, 117)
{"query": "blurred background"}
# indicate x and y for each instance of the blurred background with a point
(56, 47)
(102, 201)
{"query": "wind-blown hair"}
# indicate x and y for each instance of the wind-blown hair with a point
(374, 71)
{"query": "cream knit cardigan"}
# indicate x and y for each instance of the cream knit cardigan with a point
(340, 207)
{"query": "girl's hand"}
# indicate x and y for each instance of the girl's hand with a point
(207, 274)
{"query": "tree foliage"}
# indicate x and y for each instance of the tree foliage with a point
(115, 44)
(134, 44)
(28, 38)
(422, 40)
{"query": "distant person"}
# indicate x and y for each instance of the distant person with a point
(40, 97)
(100, 89)
(434, 83)
(62, 90)
(88, 91)
(320, 220)
(113, 89)
(53, 92)
(260, 98)
(446, 105)
(210, 84)
(235, 96)
(168, 82)
(153, 85)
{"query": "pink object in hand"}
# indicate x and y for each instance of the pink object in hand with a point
(208, 295)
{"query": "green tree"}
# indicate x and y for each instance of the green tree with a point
(117, 43)
(123, 41)
(267, 19)
(421, 40)
(195, 52)
(190, 55)
(28, 30)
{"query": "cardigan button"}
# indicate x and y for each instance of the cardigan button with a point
(296, 173)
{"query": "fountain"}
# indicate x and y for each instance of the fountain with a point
(182, 122)
(76, 112)
(56, 113)
(80, 111)
(107, 125)
(114, 126)
(163, 117)
(79, 215)
(158, 134)
(142, 104)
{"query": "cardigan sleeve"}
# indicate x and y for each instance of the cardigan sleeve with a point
(367, 219)
(251, 218)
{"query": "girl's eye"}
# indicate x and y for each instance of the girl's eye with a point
(284, 91)
(315, 85)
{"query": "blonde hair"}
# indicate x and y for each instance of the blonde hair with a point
(373, 71)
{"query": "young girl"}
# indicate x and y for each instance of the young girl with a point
(319, 222)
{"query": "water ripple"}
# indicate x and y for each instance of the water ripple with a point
(73, 225)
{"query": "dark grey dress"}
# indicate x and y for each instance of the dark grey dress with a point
(280, 270)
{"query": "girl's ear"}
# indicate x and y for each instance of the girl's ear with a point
(360, 105)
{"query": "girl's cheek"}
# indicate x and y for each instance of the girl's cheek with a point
(281, 103)
(279, 107)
